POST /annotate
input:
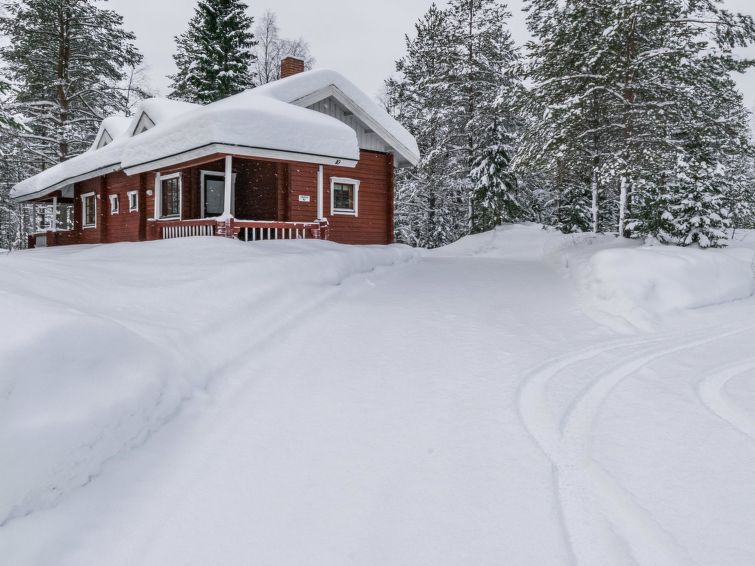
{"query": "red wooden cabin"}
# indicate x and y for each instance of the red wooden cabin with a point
(308, 156)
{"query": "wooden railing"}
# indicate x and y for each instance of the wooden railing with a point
(256, 230)
(245, 230)
(188, 228)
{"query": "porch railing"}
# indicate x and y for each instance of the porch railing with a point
(188, 228)
(253, 230)
(245, 230)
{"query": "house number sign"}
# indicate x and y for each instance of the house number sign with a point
(303, 198)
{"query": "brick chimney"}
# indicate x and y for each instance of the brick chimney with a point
(291, 66)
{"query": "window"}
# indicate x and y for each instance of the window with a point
(144, 124)
(133, 201)
(344, 196)
(115, 204)
(169, 196)
(105, 139)
(89, 210)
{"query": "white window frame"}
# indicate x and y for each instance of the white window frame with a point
(105, 139)
(134, 194)
(115, 204)
(341, 211)
(159, 196)
(202, 175)
(84, 198)
(143, 124)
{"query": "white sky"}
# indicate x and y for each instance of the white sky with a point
(358, 39)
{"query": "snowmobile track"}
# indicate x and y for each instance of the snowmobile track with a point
(713, 396)
(600, 517)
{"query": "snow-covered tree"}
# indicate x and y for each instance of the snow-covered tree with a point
(452, 93)
(271, 49)
(67, 60)
(497, 197)
(215, 55)
(635, 96)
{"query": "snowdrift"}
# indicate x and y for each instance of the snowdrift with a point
(623, 278)
(100, 344)
(644, 283)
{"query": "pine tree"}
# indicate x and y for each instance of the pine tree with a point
(453, 95)
(66, 60)
(568, 108)
(215, 55)
(427, 209)
(636, 97)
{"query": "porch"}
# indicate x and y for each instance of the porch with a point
(236, 197)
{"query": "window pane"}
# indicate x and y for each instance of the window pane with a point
(171, 197)
(343, 196)
(214, 193)
(89, 211)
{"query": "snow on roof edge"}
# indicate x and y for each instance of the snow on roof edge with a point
(303, 85)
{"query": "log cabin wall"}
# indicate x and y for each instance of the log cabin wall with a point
(374, 223)
(122, 226)
(265, 190)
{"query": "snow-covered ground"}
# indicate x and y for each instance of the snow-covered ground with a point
(520, 397)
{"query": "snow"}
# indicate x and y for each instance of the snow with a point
(91, 364)
(104, 160)
(375, 405)
(300, 85)
(644, 283)
(116, 126)
(248, 121)
(161, 110)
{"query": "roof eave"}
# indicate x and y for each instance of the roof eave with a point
(239, 150)
(65, 182)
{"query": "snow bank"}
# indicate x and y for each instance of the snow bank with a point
(645, 283)
(100, 344)
(527, 242)
(624, 278)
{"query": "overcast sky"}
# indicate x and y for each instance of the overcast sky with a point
(358, 39)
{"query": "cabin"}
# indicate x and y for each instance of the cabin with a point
(307, 156)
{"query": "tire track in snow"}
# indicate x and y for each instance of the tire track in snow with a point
(603, 521)
(712, 394)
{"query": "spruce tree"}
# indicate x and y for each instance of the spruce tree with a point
(454, 94)
(496, 195)
(427, 199)
(215, 55)
(636, 98)
(66, 60)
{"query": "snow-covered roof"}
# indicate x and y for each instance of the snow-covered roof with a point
(99, 161)
(305, 88)
(111, 128)
(160, 110)
(271, 121)
(244, 124)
